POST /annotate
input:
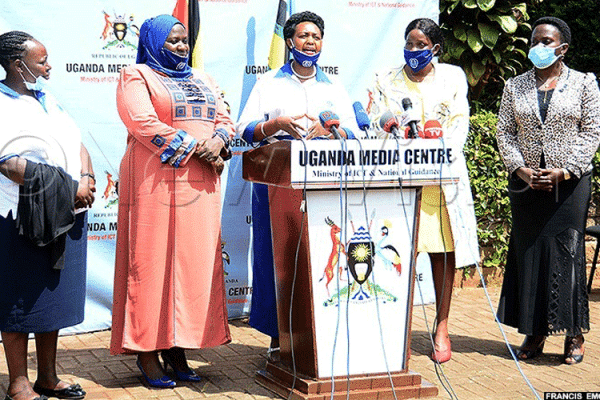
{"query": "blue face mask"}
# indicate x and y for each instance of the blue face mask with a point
(304, 59)
(543, 57)
(418, 59)
(174, 61)
(37, 86)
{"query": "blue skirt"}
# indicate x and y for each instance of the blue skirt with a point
(34, 297)
(263, 309)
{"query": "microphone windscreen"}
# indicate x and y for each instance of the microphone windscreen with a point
(432, 130)
(329, 119)
(388, 121)
(362, 119)
(349, 133)
(406, 104)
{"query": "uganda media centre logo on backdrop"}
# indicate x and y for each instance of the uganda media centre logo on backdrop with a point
(112, 40)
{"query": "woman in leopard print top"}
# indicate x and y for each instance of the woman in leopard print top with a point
(548, 132)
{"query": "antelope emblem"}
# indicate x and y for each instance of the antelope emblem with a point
(337, 248)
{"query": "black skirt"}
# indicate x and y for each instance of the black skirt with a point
(544, 289)
(35, 297)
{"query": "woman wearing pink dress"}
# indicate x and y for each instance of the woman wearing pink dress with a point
(169, 290)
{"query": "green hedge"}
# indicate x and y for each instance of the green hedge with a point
(489, 182)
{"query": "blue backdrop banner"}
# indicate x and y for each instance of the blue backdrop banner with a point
(90, 42)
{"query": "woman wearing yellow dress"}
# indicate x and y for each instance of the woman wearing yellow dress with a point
(438, 93)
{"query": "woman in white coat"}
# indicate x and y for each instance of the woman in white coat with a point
(438, 92)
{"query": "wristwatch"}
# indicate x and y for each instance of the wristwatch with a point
(566, 174)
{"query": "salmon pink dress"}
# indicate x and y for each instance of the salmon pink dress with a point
(169, 287)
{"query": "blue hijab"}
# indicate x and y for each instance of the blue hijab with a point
(153, 34)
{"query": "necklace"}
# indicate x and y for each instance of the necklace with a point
(545, 87)
(549, 81)
(304, 76)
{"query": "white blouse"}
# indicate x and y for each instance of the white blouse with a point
(38, 130)
(279, 92)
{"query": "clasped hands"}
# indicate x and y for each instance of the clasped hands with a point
(541, 179)
(289, 125)
(210, 150)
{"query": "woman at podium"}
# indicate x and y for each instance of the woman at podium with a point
(284, 105)
(432, 97)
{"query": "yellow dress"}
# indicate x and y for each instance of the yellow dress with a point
(435, 233)
(440, 97)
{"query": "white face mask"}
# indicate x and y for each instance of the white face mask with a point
(37, 86)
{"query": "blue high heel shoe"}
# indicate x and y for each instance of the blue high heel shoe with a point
(165, 382)
(187, 376)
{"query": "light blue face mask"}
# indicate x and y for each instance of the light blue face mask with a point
(38, 85)
(543, 57)
(304, 59)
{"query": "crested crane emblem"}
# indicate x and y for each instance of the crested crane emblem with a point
(362, 258)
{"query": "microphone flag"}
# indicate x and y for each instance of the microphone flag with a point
(279, 53)
(329, 120)
(188, 12)
(432, 130)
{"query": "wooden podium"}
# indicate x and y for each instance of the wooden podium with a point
(344, 218)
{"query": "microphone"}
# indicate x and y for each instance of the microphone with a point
(389, 123)
(432, 130)
(331, 122)
(349, 133)
(362, 119)
(412, 124)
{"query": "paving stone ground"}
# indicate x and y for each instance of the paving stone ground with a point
(481, 367)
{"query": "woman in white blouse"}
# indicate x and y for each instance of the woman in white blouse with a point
(36, 295)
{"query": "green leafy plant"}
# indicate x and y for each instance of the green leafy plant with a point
(487, 38)
(489, 183)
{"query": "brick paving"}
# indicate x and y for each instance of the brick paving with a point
(481, 367)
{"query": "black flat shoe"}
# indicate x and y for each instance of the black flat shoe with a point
(530, 354)
(573, 343)
(74, 392)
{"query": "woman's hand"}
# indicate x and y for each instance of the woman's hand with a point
(289, 125)
(525, 174)
(209, 149)
(219, 164)
(84, 197)
(541, 179)
(317, 129)
(546, 179)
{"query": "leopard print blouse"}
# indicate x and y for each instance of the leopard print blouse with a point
(570, 134)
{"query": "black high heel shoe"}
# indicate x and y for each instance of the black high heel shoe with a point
(530, 354)
(573, 343)
(187, 376)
